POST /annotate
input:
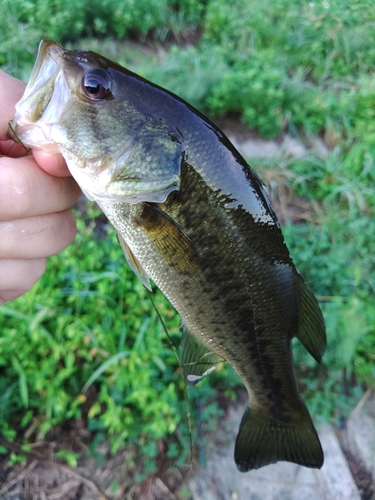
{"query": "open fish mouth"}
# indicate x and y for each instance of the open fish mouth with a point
(42, 82)
(48, 58)
(44, 94)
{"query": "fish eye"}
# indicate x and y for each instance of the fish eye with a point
(96, 85)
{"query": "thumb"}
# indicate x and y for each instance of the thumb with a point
(53, 164)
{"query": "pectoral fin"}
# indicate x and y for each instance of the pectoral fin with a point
(134, 263)
(197, 359)
(173, 245)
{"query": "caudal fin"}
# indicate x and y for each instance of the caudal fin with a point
(262, 441)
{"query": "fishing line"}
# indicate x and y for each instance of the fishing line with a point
(173, 347)
(17, 140)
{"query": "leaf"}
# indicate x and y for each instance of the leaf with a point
(103, 367)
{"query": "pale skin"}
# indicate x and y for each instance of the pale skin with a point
(36, 193)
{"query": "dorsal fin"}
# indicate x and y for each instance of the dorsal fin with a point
(311, 329)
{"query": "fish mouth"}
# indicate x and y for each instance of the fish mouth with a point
(42, 81)
(49, 57)
(40, 87)
(46, 91)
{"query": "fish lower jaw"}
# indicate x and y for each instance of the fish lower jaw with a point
(34, 136)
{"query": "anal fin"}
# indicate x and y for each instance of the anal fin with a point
(196, 358)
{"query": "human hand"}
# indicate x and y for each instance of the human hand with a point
(36, 192)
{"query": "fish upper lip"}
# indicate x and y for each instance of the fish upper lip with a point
(47, 50)
(55, 52)
(38, 93)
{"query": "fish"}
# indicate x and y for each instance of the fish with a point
(195, 218)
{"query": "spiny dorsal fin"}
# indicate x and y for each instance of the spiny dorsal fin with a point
(196, 358)
(311, 330)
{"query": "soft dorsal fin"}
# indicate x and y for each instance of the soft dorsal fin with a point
(196, 358)
(134, 263)
(311, 329)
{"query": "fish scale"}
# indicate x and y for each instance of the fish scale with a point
(193, 216)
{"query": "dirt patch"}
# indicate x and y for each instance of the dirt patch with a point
(362, 476)
(44, 478)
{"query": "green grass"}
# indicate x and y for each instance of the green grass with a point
(299, 67)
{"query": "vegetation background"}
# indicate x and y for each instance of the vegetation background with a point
(85, 344)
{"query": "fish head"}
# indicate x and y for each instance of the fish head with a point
(98, 115)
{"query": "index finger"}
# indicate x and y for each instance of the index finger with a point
(26, 190)
(11, 91)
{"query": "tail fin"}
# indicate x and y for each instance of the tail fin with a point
(262, 441)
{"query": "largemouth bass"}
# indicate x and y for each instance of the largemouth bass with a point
(195, 218)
